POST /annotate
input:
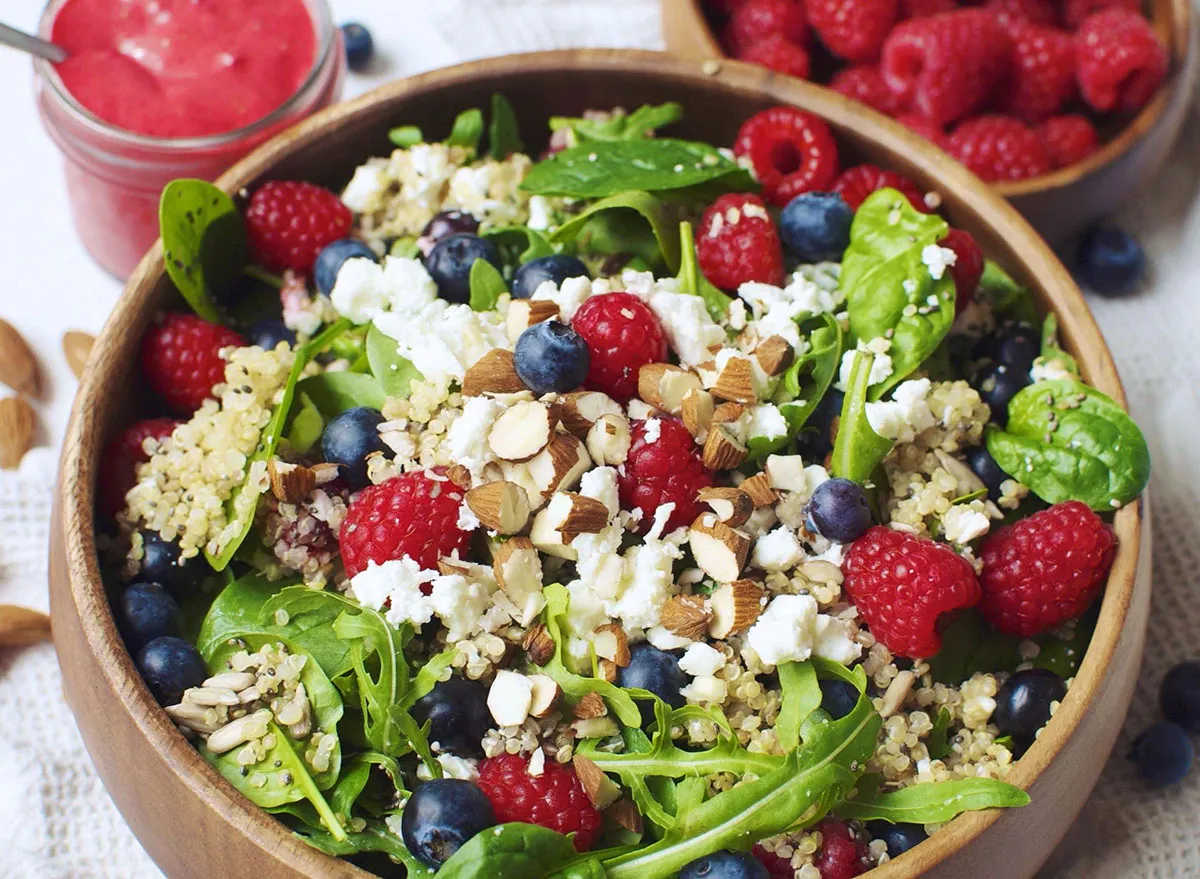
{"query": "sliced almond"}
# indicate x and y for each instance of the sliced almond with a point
(610, 642)
(17, 423)
(774, 354)
(76, 347)
(686, 616)
(586, 515)
(470, 570)
(758, 487)
(518, 571)
(290, 483)
(459, 475)
(625, 814)
(521, 431)
(20, 626)
(896, 693)
(524, 313)
(546, 696)
(589, 705)
(719, 550)
(18, 366)
(326, 471)
(736, 381)
(607, 670)
(538, 645)
(732, 505)
(510, 698)
(609, 439)
(697, 410)
(559, 466)
(728, 413)
(600, 789)
(548, 537)
(722, 450)
(502, 506)
(493, 373)
(579, 410)
(665, 386)
(735, 607)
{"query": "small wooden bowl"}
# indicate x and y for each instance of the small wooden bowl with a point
(1064, 201)
(195, 825)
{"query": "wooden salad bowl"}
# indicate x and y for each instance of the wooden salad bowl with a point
(1069, 199)
(194, 824)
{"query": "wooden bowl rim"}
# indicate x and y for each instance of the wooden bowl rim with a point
(1174, 29)
(80, 447)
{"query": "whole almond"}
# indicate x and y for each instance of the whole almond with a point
(16, 431)
(76, 347)
(18, 368)
(20, 626)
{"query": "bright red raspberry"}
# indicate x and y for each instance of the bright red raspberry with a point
(865, 84)
(666, 469)
(414, 515)
(967, 268)
(927, 128)
(1068, 139)
(841, 855)
(1046, 569)
(854, 30)
(998, 148)
(780, 54)
(122, 454)
(1016, 12)
(791, 152)
(737, 242)
(289, 221)
(946, 66)
(622, 336)
(1075, 11)
(777, 867)
(181, 360)
(755, 20)
(1043, 73)
(856, 183)
(554, 799)
(923, 8)
(1119, 59)
(902, 583)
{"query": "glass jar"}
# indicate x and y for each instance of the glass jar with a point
(114, 177)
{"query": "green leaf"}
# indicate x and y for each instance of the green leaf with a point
(801, 697)
(406, 136)
(692, 280)
(307, 426)
(631, 222)
(935, 802)
(374, 838)
(641, 123)
(519, 244)
(468, 130)
(858, 448)
(204, 241)
(504, 135)
(1067, 441)
(487, 286)
(970, 645)
(510, 851)
(938, 740)
(600, 170)
(811, 374)
(335, 392)
(1008, 299)
(1051, 351)
(1063, 656)
(395, 374)
(889, 290)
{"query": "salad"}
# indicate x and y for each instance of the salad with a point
(640, 510)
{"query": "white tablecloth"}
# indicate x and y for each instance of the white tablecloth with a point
(56, 821)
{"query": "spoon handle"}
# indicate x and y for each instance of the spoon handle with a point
(10, 36)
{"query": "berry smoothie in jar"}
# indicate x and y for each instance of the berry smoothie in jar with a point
(153, 90)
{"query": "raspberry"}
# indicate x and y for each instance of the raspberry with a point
(1119, 59)
(1043, 73)
(780, 54)
(555, 799)
(854, 30)
(1068, 139)
(622, 336)
(1075, 11)
(856, 183)
(841, 855)
(791, 152)
(289, 221)
(755, 20)
(928, 129)
(777, 867)
(413, 515)
(122, 454)
(967, 268)
(663, 471)
(946, 66)
(1044, 570)
(902, 583)
(924, 8)
(737, 242)
(1012, 13)
(998, 148)
(181, 360)
(865, 84)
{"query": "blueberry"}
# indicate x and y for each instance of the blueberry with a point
(161, 563)
(997, 384)
(146, 611)
(1023, 704)
(556, 268)
(899, 838)
(1162, 754)
(170, 665)
(1110, 261)
(838, 510)
(458, 715)
(348, 440)
(1018, 345)
(725, 865)
(360, 46)
(333, 256)
(815, 226)
(441, 816)
(551, 356)
(267, 334)
(1180, 695)
(838, 697)
(450, 261)
(657, 671)
(983, 465)
(444, 225)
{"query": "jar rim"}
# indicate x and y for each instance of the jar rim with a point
(328, 43)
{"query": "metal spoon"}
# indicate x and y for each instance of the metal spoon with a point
(10, 36)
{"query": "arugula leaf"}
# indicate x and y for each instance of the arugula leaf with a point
(801, 697)
(603, 169)
(889, 290)
(631, 222)
(307, 426)
(204, 241)
(857, 448)
(405, 136)
(1068, 441)
(811, 374)
(641, 123)
(692, 280)
(934, 802)
(335, 392)
(519, 244)
(394, 373)
(504, 137)
(937, 743)
(510, 851)
(467, 130)
(487, 286)
(374, 838)
(1008, 299)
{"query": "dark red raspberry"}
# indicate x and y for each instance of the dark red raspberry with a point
(856, 183)
(865, 83)
(181, 359)
(122, 454)
(777, 867)
(854, 30)
(1075, 11)
(665, 471)
(998, 148)
(922, 8)
(841, 856)
(1015, 12)
(927, 128)
(1068, 139)
(1119, 59)
(622, 336)
(1044, 570)
(755, 20)
(555, 799)
(791, 152)
(967, 268)
(778, 53)
(946, 66)
(414, 515)
(902, 583)
(1043, 73)
(289, 221)
(737, 242)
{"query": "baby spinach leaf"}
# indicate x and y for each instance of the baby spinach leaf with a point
(405, 136)
(809, 377)
(510, 851)
(692, 280)
(1067, 441)
(938, 740)
(1008, 299)
(504, 135)
(487, 286)
(801, 697)
(970, 645)
(1052, 350)
(468, 130)
(1063, 656)
(394, 373)
(204, 241)
(335, 392)
(519, 244)
(641, 123)
(857, 449)
(889, 290)
(631, 222)
(603, 169)
(374, 838)
(935, 802)
(307, 426)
